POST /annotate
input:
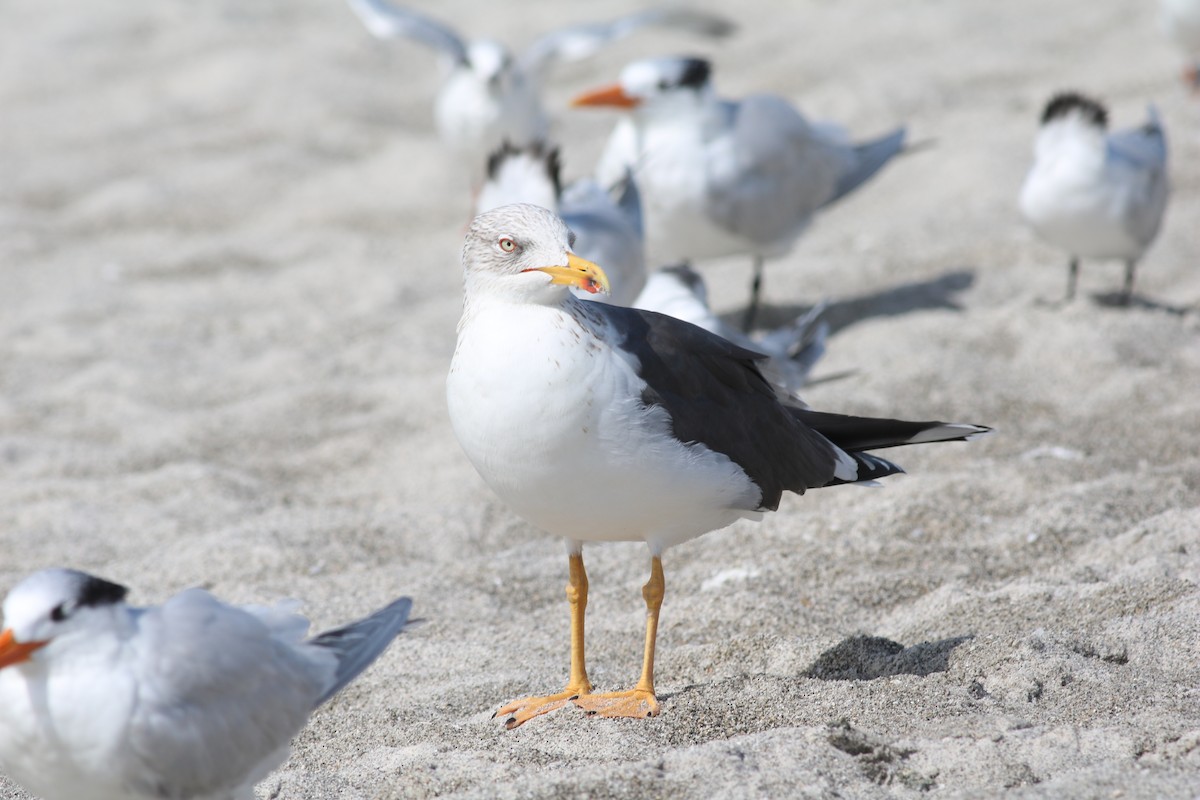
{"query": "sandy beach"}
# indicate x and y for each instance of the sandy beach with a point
(229, 285)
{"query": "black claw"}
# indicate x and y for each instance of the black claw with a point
(510, 723)
(494, 713)
(571, 699)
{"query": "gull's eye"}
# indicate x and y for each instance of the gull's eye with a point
(507, 244)
(58, 613)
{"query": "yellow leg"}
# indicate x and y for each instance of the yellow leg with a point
(639, 701)
(527, 708)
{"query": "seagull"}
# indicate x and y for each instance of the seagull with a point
(1092, 193)
(791, 350)
(603, 423)
(726, 177)
(608, 231)
(491, 95)
(1181, 21)
(191, 699)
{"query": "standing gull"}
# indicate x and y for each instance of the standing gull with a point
(601, 423)
(191, 699)
(1092, 193)
(491, 95)
(726, 177)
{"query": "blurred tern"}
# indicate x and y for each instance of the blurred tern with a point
(489, 95)
(1092, 193)
(725, 177)
(191, 699)
(607, 231)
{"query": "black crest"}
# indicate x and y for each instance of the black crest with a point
(695, 73)
(93, 591)
(539, 150)
(1064, 103)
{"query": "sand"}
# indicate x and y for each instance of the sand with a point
(229, 284)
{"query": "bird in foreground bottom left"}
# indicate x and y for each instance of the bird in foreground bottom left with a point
(195, 698)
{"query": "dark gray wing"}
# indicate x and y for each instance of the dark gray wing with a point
(715, 395)
(358, 644)
(386, 21)
(581, 41)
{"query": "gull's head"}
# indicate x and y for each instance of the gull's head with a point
(523, 252)
(51, 603)
(654, 82)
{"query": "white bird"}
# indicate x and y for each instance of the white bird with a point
(1181, 21)
(1092, 193)
(791, 350)
(489, 95)
(191, 699)
(726, 177)
(607, 231)
(602, 423)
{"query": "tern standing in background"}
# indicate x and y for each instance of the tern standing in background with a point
(191, 699)
(601, 423)
(726, 177)
(1092, 193)
(489, 95)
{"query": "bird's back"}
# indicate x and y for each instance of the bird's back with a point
(222, 692)
(772, 172)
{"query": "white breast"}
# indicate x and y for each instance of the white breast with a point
(558, 430)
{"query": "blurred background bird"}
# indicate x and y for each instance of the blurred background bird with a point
(491, 95)
(1093, 193)
(726, 177)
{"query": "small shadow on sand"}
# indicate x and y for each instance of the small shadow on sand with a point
(864, 658)
(1117, 300)
(937, 293)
